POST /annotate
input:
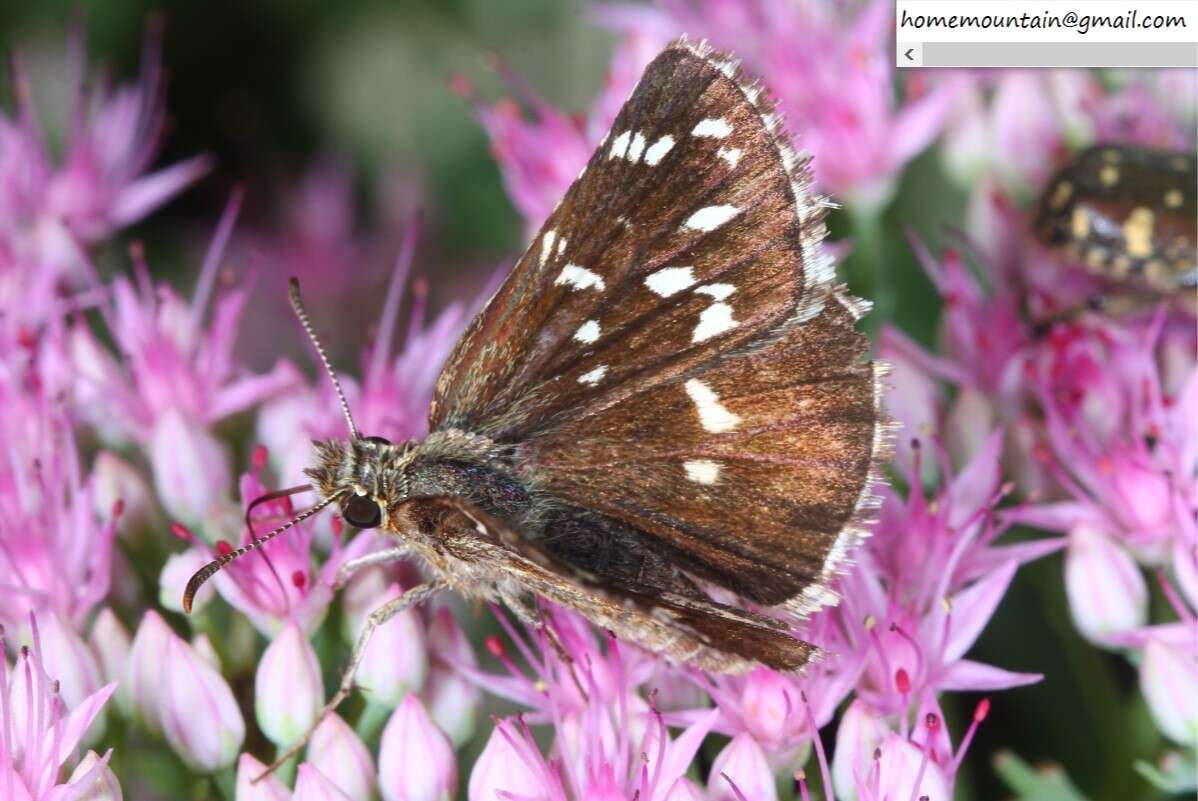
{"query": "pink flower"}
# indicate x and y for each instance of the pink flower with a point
(1169, 681)
(741, 771)
(1107, 592)
(540, 155)
(178, 692)
(271, 788)
(501, 769)
(339, 753)
(52, 209)
(55, 551)
(416, 760)
(110, 642)
(929, 580)
(280, 582)
(312, 785)
(176, 377)
(288, 691)
(452, 699)
(39, 732)
(396, 659)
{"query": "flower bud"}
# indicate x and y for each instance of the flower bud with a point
(269, 789)
(177, 571)
(312, 785)
(198, 712)
(191, 467)
(96, 781)
(1106, 590)
(742, 763)
(900, 766)
(859, 734)
(110, 643)
(416, 760)
(336, 750)
(771, 705)
(288, 691)
(147, 658)
(454, 702)
(684, 789)
(1169, 681)
(396, 660)
(115, 480)
(501, 769)
(68, 660)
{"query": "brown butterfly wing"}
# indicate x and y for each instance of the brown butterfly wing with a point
(671, 352)
(627, 281)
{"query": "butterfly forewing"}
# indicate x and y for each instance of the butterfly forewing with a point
(670, 351)
(679, 239)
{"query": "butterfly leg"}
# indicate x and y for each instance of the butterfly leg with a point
(376, 618)
(375, 558)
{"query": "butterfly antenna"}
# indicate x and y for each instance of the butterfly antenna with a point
(297, 303)
(212, 568)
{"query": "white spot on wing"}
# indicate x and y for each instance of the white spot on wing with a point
(715, 319)
(658, 150)
(702, 471)
(636, 148)
(619, 145)
(712, 415)
(547, 245)
(588, 332)
(730, 155)
(716, 291)
(710, 218)
(561, 246)
(580, 278)
(714, 128)
(670, 280)
(593, 377)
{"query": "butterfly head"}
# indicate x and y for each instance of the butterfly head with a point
(365, 476)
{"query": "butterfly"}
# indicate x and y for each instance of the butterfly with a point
(668, 398)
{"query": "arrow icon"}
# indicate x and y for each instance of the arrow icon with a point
(908, 55)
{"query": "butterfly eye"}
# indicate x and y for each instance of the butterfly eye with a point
(377, 440)
(360, 511)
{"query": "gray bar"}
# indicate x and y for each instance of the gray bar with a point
(1059, 54)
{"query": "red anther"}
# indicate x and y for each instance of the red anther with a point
(299, 579)
(932, 721)
(902, 681)
(877, 754)
(137, 250)
(338, 527)
(952, 255)
(26, 338)
(118, 507)
(1007, 488)
(495, 647)
(982, 710)
(258, 459)
(223, 548)
(182, 532)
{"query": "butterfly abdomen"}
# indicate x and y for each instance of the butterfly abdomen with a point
(1126, 213)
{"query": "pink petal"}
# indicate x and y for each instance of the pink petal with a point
(966, 675)
(81, 718)
(972, 609)
(149, 192)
